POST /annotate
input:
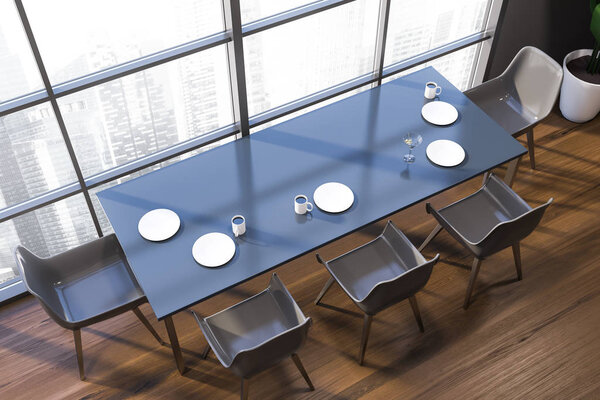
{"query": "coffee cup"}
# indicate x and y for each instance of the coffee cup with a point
(432, 89)
(238, 225)
(302, 205)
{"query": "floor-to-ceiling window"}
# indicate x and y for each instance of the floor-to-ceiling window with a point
(96, 93)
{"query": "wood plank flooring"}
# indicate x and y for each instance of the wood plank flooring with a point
(538, 338)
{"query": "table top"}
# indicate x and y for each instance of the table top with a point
(356, 141)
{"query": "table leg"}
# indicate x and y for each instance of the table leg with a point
(175, 344)
(511, 171)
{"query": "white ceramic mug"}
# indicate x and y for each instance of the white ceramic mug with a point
(302, 205)
(432, 89)
(238, 225)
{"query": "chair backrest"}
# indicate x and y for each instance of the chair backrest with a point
(249, 362)
(38, 278)
(507, 233)
(387, 293)
(534, 79)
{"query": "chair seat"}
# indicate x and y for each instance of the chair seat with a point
(378, 262)
(475, 216)
(97, 292)
(250, 323)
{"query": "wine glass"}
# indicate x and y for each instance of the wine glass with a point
(412, 140)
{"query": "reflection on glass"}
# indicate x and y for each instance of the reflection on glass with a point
(416, 26)
(33, 155)
(46, 231)
(253, 10)
(457, 67)
(142, 113)
(79, 37)
(19, 74)
(302, 57)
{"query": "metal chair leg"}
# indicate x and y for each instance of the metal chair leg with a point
(415, 308)
(531, 148)
(138, 313)
(324, 290)
(302, 370)
(517, 254)
(433, 234)
(244, 389)
(79, 350)
(365, 338)
(474, 272)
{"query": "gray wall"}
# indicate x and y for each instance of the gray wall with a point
(554, 26)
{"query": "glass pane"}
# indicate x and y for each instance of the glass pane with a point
(302, 57)
(310, 108)
(127, 118)
(457, 67)
(18, 71)
(104, 223)
(33, 155)
(79, 37)
(253, 10)
(47, 231)
(416, 26)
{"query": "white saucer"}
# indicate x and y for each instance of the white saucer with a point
(445, 153)
(439, 113)
(159, 224)
(213, 249)
(333, 197)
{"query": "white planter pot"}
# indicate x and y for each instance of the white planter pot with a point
(579, 100)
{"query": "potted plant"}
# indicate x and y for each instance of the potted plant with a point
(580, 92)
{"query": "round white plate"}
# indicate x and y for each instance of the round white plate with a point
(445, 153)
(439, 113)
(159, 224)
(213, 249)
(333, 197)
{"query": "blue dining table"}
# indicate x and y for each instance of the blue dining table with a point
(356, 141)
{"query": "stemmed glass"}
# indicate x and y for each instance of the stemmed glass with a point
(412, 140)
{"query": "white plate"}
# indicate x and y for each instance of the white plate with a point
(333, 197)
(439, 113)
(159, 224)
(213, 249)
(445, 153)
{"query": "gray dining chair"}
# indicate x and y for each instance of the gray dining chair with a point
(379, 274)
(83, 286)
(489, 220)
(522, 95)
(257, 333)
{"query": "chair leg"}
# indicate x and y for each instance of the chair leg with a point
(432, 235)
(302, 370)
(324, 290)
(415, 308)
(485, 177)
(79, 350)
(206, 352)
(146, 323)
(244, 389)
(365, 338)
(511, 171)
(531, 148)
(474, 272)
(517, 254)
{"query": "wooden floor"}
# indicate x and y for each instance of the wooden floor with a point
(537, 338)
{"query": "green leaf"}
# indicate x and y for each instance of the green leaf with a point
(595, 24)
(593, 4)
